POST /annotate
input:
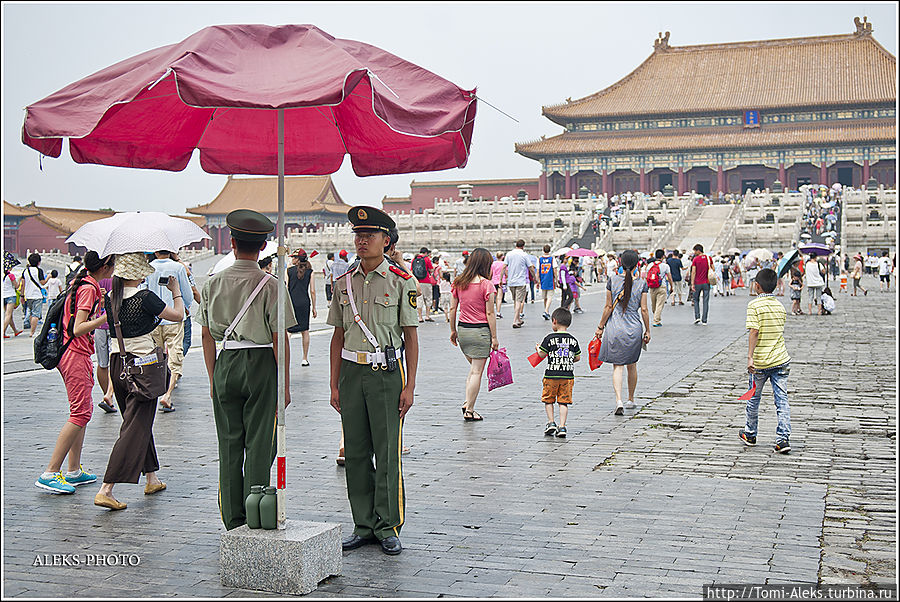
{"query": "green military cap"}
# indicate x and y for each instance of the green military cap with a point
(249, 225)
(364, 217)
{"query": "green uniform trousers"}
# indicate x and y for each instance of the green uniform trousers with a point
(370, 416)
(244, 405)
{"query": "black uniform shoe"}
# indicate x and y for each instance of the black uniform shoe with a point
(355, 541)
(391, 545)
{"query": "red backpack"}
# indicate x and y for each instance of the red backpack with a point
(653, 279)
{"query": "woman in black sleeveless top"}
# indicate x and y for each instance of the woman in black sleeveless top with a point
(302, 288)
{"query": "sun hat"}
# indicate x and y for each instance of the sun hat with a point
(132, 266)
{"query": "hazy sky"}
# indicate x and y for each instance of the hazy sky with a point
(520, 56)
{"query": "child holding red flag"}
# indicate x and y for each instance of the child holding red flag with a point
(562, 351)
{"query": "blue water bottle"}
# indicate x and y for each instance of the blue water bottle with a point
(51, 334)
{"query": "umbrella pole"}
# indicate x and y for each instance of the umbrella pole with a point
(283, 338)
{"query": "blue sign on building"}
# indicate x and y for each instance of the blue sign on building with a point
(751, 119)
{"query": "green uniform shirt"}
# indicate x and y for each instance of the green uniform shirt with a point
(386, 303)
(224, 295)
(767, 315)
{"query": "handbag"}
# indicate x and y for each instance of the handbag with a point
(499, 370)
(144, 376)
(594, 354)
(711, 273)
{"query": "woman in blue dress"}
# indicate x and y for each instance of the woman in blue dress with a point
(620, 328)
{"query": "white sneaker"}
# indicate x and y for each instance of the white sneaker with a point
(629, 405)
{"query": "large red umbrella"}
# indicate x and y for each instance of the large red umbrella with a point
(257, 99)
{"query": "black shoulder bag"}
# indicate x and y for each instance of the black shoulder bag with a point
(145, 376)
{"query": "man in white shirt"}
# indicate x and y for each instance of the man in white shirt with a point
(533, 260)
(329, 281)
(885, 267)
(815, 281)
(460, 264)
(518, 268)
(170, 334)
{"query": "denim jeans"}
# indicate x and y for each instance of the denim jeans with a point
(186, 344)
(701, 288)
(778, 376)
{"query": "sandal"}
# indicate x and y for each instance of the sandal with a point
(471, 416)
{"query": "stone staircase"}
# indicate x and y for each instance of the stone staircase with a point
(675, 240)
(706, 227)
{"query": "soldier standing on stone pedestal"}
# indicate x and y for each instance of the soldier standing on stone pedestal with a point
(374, 314)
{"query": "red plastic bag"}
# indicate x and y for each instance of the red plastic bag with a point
(499, 370)
(594, 353)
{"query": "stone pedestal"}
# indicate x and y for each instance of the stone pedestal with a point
(292, 560)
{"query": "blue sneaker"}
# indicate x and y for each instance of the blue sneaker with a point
(82, 478)
(55, 484)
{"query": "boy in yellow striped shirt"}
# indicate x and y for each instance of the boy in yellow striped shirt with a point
(767, 359)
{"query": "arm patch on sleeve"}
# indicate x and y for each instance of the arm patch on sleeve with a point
(411, 296)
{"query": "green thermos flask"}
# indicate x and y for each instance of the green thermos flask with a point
(251, 506)
(268, 509)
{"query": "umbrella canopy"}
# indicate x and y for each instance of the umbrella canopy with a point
(732, 251)
(785, 263)
(228, 260)
(9, 261)
(135, 231)
(339, 97)
(760, 255)
(815, 248)
(581, 253)
(562, 251)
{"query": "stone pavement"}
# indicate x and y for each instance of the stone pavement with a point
(653, 503)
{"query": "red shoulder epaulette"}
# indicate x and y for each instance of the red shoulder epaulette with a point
(344, 274)
(400, 272)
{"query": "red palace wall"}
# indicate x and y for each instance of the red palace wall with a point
(35, 234)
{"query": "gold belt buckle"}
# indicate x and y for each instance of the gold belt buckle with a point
(362, 357)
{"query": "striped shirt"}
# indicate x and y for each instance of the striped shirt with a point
(767, 315)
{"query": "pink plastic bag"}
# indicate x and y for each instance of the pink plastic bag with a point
(499, 370)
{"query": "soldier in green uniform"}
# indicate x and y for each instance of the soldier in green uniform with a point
(373, 311)
(238, 306)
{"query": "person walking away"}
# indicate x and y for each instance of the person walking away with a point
(476, 333)
(329, 282)
(422, 269)
(9, 301)
(195, 299)
(101, 350)
(566, 284)
(814, 279)
(33, 282)
(827, 302)
(460, 264)
(674, 263)
(856, 275)
(79, 319)
(339, 267)
(576, 272)
(169, 334)
(139, 312)
(73, 268)
(302, 289)
(518, 270)
(796, 286)
(436, 287)
(532, 273)
(767, 359)
(658, 275)
(446, 292)
(239, 306)
(498, 277)
(547, 273)
(54, 287)
(779, 286)
(699, 278)
(625, 310)
(373, 312)
(562, 351)
(885, 267)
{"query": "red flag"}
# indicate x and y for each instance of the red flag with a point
(535, 359)
(751, 392)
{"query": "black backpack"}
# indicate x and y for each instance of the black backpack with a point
(47, 353)
(419, 269)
